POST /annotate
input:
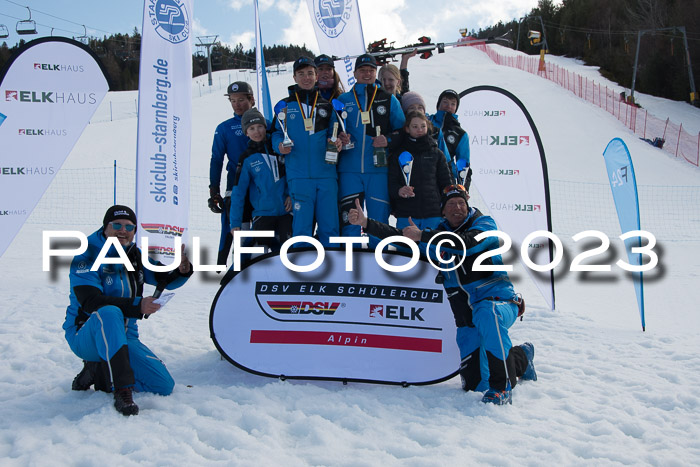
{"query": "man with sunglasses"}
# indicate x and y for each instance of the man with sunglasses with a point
(105, 304)
(484, 303)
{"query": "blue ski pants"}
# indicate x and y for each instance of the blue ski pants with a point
(104, 333)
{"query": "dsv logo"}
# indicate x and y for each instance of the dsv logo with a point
(303, 308)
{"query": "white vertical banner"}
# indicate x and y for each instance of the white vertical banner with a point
(164, 126)
(338, 31)
(49, 91)
(510, 172)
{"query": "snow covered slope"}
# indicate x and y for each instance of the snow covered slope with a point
(607, 393)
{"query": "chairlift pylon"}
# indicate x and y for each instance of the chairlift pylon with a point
(4, 32)
(26, 26)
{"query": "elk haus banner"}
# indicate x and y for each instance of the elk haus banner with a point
(164, 126)
(49, 91)
(365, 325)
(510, 172)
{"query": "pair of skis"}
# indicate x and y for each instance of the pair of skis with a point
(384, 52)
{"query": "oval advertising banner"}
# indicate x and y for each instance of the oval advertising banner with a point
(510, 171)
(365, 325)
(50, 89)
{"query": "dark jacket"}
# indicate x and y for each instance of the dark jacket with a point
(429, 175)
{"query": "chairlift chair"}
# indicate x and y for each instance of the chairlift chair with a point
(26, 26)
(4, 32)
(84, 38)
(534, 36)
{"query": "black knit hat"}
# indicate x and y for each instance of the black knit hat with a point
(118, 211)
(251, 117)
(448, 93)
(453, 191)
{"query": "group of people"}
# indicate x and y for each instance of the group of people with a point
(326, 157)
(364, 131)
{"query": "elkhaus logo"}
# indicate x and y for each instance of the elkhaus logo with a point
(517, 207)
(484, 113)
(42, 132)
(59, 67)
(13, 212)
(50, 97)
(500, 140)
(45, 170)
(499, 172)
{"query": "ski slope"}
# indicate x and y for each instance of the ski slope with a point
(607, 393)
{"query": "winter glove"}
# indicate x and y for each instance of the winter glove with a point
(216, 202)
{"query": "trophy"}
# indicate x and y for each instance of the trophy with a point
(406, 163)
(463, 173)
(331, 149)
(340, 107)
(281, 111)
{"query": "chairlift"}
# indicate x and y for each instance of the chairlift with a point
(4, 31)
(463, 32)
(84, 37)
(535, 37)
(26, 26)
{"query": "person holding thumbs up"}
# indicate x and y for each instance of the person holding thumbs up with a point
(484, 303)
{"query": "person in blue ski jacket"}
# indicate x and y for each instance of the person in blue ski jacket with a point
(229, 143)
(484, 303)
(313, 184)
(262, 178)
(105, 306)
(369, 109)
(452, 139)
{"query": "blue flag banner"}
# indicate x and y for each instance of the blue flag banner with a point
(624, 189)
(263, 97)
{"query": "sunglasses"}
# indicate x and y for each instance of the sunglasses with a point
(127, 227)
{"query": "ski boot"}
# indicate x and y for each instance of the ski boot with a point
(530, 374)
(498, 397)
(124, 402)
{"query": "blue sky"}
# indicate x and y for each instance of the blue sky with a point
(283, 21)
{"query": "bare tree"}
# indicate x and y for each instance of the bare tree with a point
(648, 14)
